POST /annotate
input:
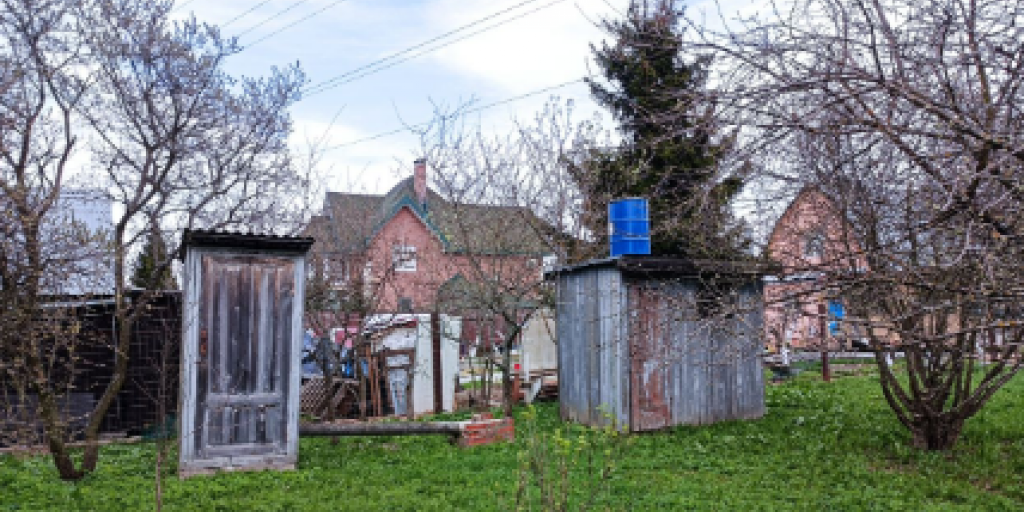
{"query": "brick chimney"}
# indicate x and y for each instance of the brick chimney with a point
(419, 179)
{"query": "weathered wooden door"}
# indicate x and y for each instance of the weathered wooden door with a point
(245, 343)
(649, 360)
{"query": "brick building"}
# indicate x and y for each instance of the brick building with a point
(395, 252)
(812, 242)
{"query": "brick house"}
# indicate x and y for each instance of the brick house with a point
(399, 251)
(812, 242)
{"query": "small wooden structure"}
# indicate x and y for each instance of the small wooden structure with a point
(421, 353)
(242, 334)
(652, 342)
(407, 367)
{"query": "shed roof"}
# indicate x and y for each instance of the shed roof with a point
(666, 267)
(237, 240)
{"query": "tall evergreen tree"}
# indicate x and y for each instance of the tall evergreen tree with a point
(146, 274)
(668, 153)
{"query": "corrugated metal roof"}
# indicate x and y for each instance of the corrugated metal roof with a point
(238, 240)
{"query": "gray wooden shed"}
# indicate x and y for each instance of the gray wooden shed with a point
(241, 350)
(654, 342)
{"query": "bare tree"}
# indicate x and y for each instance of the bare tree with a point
(170, 137)
(512, 209)
(908, 114)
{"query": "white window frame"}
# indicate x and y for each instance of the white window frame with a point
(403, 258)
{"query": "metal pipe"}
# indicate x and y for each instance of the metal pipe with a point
(395, 428)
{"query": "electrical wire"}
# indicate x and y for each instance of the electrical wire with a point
(180, 7)
(467, 112)
(377, 66)
(247, 11)
(292, 24)
(264, 22)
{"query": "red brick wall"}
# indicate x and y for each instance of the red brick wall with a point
(434, 267)
(487, 430)
(811, 211)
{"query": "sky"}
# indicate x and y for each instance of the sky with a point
(525, 51)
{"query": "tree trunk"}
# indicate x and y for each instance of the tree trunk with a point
(62, 459)
(48, 407)
(55, 438)
(936, 433)
(123, 321)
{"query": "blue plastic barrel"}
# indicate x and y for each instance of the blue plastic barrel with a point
(629, 226)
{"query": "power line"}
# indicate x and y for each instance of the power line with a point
(467, 112)
(292, 24)
(180, 7)
(264, 22)
(247, 11)
(377, 66)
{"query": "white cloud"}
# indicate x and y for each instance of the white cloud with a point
(542, 48)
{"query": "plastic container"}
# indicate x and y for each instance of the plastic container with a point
(629, 227)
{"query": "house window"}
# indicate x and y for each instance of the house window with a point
(403, 257)
(337, 273)
(814, 244)
(404, 305)
(312, 269)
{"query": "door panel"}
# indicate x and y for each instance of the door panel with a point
(649, 357)
(245, 334)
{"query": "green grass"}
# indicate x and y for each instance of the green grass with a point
(820, 447)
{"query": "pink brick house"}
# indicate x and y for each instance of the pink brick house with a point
(400, 250)
(812, 242)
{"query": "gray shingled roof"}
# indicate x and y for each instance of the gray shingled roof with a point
(350, 221)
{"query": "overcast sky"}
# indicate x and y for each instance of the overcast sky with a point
(527, 46)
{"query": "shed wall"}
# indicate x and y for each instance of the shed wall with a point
(639, 350)
(689, 369)
(593, 364)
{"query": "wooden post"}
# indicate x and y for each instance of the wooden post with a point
(435, 355)
(385, 393)
(826, 372)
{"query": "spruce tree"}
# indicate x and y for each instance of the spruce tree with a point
(146, 275)
(667, 154)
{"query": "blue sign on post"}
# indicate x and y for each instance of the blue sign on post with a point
(836, 312)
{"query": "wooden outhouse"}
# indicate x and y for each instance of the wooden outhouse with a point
(241, 351)
(652, 342)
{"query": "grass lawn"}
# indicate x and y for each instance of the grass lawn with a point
(820, 447)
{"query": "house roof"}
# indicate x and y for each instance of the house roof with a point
(351, 221)
(800, 197)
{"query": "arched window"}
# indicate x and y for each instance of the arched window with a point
(814, 244)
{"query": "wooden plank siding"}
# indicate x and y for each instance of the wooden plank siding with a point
(637, 348)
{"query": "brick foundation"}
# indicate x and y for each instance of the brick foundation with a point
(484, 429)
